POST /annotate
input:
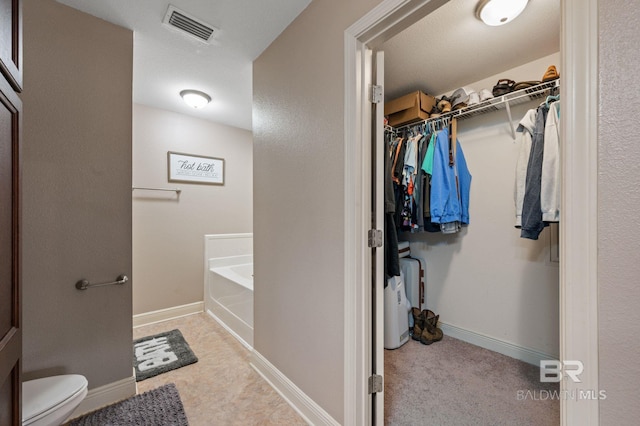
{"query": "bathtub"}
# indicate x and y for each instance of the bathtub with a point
(229, 295)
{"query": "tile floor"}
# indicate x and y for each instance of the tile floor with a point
(221, 388)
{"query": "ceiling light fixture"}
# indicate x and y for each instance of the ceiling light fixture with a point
(499, 12)
(195, 98)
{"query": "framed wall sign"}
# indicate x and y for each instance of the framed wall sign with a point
(195, 168)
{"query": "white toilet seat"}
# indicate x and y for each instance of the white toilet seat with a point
(50, 400)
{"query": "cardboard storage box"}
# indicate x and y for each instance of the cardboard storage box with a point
(409, 108)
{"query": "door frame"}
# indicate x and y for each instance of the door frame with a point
(578, 237)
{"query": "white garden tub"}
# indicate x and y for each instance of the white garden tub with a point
(229, 295)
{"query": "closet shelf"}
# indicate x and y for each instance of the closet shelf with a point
(496, 104)
(510, 99)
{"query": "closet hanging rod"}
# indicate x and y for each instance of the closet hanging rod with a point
(176, 190)
(493, 104)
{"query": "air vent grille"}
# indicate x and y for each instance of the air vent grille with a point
(181, 20)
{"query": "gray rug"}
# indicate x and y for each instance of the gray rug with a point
(157, 354)
(160, 406)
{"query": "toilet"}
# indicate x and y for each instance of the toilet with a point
(51, 400)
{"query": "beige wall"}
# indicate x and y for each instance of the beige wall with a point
(487, 279)
(168, 231)
(76, 194)
(298, 199)
(619, 204)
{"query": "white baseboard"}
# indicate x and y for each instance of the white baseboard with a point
(153, 317)
(106, 395)
(245, 336)
(311, 412)
(527, 355)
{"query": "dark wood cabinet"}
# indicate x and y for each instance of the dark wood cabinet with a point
(11, 42)
(10, 280)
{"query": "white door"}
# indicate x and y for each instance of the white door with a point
(377, 223)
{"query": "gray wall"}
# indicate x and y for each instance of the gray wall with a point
(168, 231)
(618, 219)
(298, 200)
(76, 194)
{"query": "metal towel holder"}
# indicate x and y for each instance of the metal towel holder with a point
(176, 190)
(85, 284)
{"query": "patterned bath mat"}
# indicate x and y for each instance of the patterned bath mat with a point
(160, 353)
(160, 406)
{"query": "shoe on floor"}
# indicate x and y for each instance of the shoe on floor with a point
(431, 332)
(434, 333)
(418, 323)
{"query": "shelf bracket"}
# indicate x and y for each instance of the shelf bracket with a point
(508, 108)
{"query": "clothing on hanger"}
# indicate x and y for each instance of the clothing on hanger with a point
(398, 162)
(421, 180)
(392, 261)
(532, 223)
(450, 185)
(416, 157)
(550, 177)
(525, 130)
(541, 202)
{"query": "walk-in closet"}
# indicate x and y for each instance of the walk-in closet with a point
(493, 286)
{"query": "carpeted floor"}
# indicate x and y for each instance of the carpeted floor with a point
(452, 382)
(221, 388)
(447, 383)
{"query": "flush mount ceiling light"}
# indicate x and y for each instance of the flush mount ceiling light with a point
(499, 12)
(195, 98)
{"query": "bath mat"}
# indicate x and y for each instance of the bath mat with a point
(160, 353)
(160, 406)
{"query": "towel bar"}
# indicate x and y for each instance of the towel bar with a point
(85, 284)
(176, 190)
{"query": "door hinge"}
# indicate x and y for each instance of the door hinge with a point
(375, 238)
(375, 96)
(375, 384)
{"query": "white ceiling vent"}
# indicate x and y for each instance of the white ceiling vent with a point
(189, 24)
